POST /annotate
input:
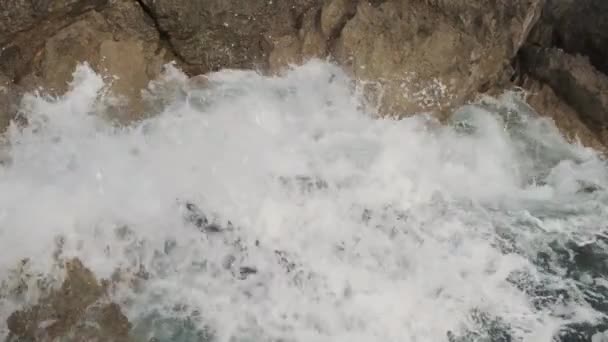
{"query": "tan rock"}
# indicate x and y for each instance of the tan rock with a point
(415, 55)
(314, 43)
(26, 24)
(21, 15)
(433, 55)
(128, 54)
(335, 14)
(78, 309)
(6, 99)
(287, 51)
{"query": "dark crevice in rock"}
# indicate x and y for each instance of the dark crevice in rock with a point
(299, 21)
(163, 35)
(562, 64)
(337, 31)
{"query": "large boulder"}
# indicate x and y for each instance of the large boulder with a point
(26, 24)
(118, 40)
(418, 55)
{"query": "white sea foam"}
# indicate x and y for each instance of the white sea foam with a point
(407, 230)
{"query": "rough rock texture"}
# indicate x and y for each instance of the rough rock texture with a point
(423, 55)
(21, 15)
(566, 56)
(574, 80)
(208, 35)
(544, 101)
(577, 27)
(76, 311)
(411, 55)
(116, 37)
(433, 55)
(26, 24)
(8, 100)
(131, 53)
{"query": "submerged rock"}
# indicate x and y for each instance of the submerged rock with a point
(78, 310)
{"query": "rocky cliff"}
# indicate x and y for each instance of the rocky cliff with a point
(424, 55)
(565, 62)
(414, 56)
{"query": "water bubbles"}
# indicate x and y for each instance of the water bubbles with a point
(275, 208)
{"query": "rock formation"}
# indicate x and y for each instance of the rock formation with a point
(45, 40)
(412, 55)
(68, 312)
(564, 64)
(576, 82)
(423, 55)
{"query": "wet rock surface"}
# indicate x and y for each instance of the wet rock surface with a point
(426, 56)
(410, 55)
(543, 99)
(78, 310)
(9, 95)
(433, 56)
(576, 82)
(115, 37)
(567, 52)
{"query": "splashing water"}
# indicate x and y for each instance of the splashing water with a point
(279, 209)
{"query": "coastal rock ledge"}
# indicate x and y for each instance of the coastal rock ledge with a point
(425, 56)
(413, 55)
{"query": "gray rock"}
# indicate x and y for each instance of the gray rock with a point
(576, 81)
(577, 27)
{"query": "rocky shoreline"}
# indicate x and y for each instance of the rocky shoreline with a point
(426, 55)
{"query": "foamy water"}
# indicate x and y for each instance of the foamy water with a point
(334, 225)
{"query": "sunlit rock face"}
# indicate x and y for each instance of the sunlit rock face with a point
(417, 56)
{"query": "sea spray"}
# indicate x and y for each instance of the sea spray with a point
(349, 227)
